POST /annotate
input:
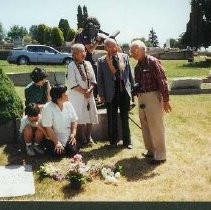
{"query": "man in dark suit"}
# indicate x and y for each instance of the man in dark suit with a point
(114, 88)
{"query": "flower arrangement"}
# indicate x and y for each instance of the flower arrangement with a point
(111, 173)
(48, 170)
(77, 172)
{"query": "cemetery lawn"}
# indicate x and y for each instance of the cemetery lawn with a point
(184, 177)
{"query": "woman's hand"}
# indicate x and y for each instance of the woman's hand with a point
(59, 149)
(72, 140)
(88, 93)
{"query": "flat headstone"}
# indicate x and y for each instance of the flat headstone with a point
(185, 83)
(16, 180)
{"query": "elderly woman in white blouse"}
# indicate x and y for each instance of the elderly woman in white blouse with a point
(81, 81)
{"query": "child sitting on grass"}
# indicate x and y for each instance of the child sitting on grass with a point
(31, 130)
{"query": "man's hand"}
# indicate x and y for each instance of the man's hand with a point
(167, 107)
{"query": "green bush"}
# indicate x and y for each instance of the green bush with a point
(11, 106)
(4, 54)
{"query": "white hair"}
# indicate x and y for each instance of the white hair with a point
(77, 47)
(109, 40)
(139, 44)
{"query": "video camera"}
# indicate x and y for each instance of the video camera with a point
(104, 35)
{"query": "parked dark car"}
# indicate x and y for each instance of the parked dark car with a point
(38, 54)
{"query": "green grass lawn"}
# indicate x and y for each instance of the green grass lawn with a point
(13, 68)
(184, 177)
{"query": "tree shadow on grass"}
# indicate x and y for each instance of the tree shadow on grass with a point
(135, 169)
(199, 64)
(100, 153)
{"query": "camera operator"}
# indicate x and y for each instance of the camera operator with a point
(114, 86)
(153, 98)
(88, 37)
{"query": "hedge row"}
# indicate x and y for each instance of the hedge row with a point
(4, 54)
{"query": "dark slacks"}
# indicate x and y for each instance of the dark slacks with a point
(70, 150)
(121, 100)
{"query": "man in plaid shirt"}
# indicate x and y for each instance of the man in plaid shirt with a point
(153, 99)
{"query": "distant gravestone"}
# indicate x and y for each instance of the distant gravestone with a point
(16, 180)
(186, 83)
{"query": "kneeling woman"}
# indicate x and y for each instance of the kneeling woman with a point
(60, 122)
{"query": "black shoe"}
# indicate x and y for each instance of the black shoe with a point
(147, 155)
(157, 162)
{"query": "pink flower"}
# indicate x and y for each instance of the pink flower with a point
(77, 158)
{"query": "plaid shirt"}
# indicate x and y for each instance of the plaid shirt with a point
(151, 77)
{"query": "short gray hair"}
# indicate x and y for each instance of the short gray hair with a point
(139, 44)
(77, 47)
(109, 40)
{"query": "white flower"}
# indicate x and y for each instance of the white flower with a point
(117, 175)
(110, 179)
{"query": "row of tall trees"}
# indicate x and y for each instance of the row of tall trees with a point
(44, 34)
(47, 35)
(198, 29)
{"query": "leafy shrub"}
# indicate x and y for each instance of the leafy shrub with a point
(11, 106)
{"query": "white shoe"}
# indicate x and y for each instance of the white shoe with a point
(38, 149)
(30, 151)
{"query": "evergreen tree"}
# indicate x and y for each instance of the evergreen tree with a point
(71, 34)
(57, 37)
(80, 17)
(41, 33)
(85, 13)
(17, 32)
(153, 39)
(47, 35)
(206, 26)
(64, 27)
(1, 32)
(33, 32)
(198, 30)
(11, 106)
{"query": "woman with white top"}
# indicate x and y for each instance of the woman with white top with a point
(81, 82)
(60, 122)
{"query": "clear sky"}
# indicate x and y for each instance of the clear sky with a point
(134, 18)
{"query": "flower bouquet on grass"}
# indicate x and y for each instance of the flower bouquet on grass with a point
(48, 170)
(78, 172)
(111, 173)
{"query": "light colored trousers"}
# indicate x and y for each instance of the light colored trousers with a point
(151, 118)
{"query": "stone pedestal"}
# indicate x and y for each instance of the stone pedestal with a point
(100, 130)
(9, 132)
